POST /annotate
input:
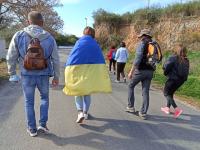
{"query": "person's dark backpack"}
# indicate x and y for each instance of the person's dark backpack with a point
(154, 54)
(34, 58)
(183, 69)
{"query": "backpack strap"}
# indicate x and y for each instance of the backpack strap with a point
(23, 32)
(145, 52)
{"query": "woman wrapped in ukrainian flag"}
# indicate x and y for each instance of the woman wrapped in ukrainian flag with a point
(86, 72)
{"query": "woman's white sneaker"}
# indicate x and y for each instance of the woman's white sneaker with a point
(80, 117)
(85, 116)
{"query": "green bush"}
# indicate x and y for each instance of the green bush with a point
(65, 40)
(152, 14)
(191, 87)
(102, 16)
(187, 9)
(194, 63)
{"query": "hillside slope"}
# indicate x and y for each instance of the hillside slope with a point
(166, 31)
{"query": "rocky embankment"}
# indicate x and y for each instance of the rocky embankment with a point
(166, 31)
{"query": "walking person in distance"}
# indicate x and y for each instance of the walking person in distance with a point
(111, 57)
(121, 57)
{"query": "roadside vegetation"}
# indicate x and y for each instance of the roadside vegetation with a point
(65, 40)
(152, 14)
(147, 18)
(3, 70)
(13, 16)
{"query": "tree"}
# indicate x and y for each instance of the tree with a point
(20, 9)
(65, 40)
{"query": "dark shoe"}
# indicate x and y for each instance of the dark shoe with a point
(32, 132)
(43, 129)
(142, 116)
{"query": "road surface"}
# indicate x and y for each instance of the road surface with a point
(109, 127)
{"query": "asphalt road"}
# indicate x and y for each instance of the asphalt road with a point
(109, 127)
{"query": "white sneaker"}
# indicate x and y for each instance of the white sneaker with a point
(14, 78)
(85, 116)
(32, 132)
(80, 117)
(130, 109)
(142, 116)
(117, 81)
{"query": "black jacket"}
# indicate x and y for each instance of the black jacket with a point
(172, 68)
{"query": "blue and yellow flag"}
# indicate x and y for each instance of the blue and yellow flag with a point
(85, 71)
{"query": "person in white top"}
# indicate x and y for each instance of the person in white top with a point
(121, 58)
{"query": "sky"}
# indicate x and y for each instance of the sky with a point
(75, 13)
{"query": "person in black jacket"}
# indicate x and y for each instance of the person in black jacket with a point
(176, 68)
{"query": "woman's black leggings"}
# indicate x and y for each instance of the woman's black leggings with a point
(120, 70)
(170, 88)
(112, 62)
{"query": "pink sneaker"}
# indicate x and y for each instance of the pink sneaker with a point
(177, 112)
(165, 110)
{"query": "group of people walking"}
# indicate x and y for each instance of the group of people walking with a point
(176, 69)
(36, 52)
(120, 56)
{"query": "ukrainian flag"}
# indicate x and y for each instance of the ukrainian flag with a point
(85, 71)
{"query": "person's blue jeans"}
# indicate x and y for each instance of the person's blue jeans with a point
(83, 103)
(29, 84)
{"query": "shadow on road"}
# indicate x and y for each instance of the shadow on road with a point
(192, 120)
(145, 135)
(9, 96)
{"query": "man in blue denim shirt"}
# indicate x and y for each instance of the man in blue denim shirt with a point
(140, 72)
(34, 78)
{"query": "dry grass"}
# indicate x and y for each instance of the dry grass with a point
(3, 70)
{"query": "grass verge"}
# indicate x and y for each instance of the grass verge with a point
(3, 70)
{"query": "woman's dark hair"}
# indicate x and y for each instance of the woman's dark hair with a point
(122, 44)
(181, 52)
(113, 47)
